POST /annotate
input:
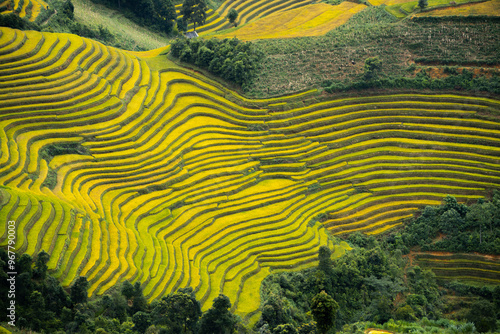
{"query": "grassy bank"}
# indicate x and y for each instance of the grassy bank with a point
(339, 56)
(127, 33)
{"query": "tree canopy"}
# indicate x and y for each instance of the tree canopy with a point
(324, 310)
(194, 11)
(218, 319)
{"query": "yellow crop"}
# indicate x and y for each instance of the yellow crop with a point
(38, 6)
(310, 20)
(385, 223)
(377, 331)
(491, 7)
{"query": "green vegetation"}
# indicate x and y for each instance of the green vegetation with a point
(422, 4)
(376, 282)
(194, 11)
(50, 151)
(158, 15)
(14, 21)
(324, 310)
(232, 15)
(230, 59)
(463, 81)
(466, 229)
(42, 305)
(405, 50)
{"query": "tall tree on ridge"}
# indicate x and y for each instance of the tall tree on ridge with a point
(194, 11)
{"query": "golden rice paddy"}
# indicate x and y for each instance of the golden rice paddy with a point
(158, 178)
(311, 20)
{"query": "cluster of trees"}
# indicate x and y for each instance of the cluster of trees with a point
(230, 59)
(160, 15)
(157, 14)
(474, 228)
(374, 282)
(43, 305)
(13, 20)
(364, 284)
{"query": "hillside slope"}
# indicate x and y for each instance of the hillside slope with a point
(160, 176)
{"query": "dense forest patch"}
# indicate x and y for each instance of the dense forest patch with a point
(376, 282)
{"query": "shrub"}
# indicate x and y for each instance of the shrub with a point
(232, 15)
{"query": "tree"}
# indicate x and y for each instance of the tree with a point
(177, 46)
(422, 4)
(142, 321)
(79, 289)
(324, 257)
(496, 296)
(194, 11)
(272, 311)
(285, 329)
(36, 313)
(372, 67)
(69, 9)
(405, 312)
(204, 57)
(127, 290)
(179, 311)
(181, 24)
(324, 309)
(232, 15)
(165, 14)
(144, 9)
(139, 301)
(483, 315)
(218, 319)
(480, 216)
(24, 287)
(24, 264)
(55, 296)
(308, 328)
(41, 265)
(115, 306)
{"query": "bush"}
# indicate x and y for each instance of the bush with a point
(232, 15)
(13, 21)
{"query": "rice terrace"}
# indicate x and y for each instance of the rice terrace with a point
(231, 163)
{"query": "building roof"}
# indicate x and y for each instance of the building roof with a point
(191, 34)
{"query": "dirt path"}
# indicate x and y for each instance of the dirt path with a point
(47, 20)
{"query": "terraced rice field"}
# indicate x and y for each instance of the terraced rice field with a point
(163, 180)
(248, 10)
(402, 8)
(29, 9)
(489, 8)
(311, 20)
(466, 267)
(387, 2)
